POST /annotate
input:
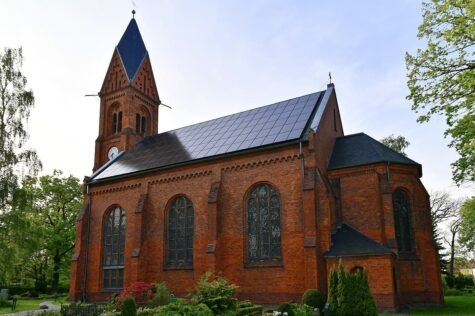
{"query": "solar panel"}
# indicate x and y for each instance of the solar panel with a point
(268, 125)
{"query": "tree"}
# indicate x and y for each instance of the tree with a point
(16, 103)
(467, 226)
(397, 143)
(442, 208)
(441, 77)
(454, 229)
(52, 203)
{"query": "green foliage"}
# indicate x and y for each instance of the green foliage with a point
(441, 76)
(398, 143)
(16, 102)
(161, 295)
(247, 308)
(128, 307)
(218, 294)
(313, 298)
(459, 282)
(48, 206)
(293, 309)
(349, 294)
(467, 226)
(184, 308)
(286, 308)
(453, 292)
(333, 290)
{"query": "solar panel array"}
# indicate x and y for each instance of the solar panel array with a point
(276, 123)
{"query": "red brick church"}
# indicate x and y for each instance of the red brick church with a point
(269, 198)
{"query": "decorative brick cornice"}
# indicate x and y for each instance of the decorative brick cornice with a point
(144, 100)
(181, 177)
(260, 163)
(113, 97)
(117, 189)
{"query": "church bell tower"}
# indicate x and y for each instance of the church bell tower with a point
(129, 98)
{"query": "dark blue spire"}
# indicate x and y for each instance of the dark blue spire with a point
(132, 49)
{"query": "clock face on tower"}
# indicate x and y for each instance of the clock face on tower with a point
(113, 152)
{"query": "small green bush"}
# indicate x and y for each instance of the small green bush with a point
(218, 294)
(313, 298)
(148, 311)
(247, 308)
(128, 307)
(453, 292)
(293, 309)
(286, 308)
(161, 295)
(349, 294)
(181, 307)
(303, 310)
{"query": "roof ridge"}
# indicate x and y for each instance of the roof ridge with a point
(253, 109)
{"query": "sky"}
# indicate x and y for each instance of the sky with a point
(213, 58)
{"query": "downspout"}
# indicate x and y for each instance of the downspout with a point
(302, 159)
(86, 255)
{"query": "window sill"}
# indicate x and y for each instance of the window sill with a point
(179, 267)
(111, 290)
(265, 264)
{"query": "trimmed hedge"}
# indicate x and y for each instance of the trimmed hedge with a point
(313, 298)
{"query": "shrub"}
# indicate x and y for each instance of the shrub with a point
(148, 311)
(128, 307)
(141, 292)
(453, 292)
(286, 308)
(217, 294)
(313, 298)
(333, 291)
(293, 309)
(247, 308)
(181, 307)
(161, 295)
(349, 294)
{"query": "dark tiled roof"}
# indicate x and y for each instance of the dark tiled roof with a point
(132, 49)
(347, 241)
(276, 124)
(361, 149)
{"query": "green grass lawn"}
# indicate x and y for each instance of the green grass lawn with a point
(455, 305)
(31, 304)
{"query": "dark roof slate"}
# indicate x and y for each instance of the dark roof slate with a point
(347, 241)
(272, 125)
(132, 49)
(361, 149)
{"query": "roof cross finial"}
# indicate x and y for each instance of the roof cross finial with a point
(330, 77)
(133, 14)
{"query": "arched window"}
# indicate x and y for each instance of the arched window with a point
(263, 225)
(402, 220)
(137, 123)
(116, 122)
(114, 244)
(357, 270)
(180, 225)
(143, 125)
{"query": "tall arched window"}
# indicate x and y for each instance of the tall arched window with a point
(116, 122)
(114, 244)
(402, 220)
(263, 225)
(180, 226)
